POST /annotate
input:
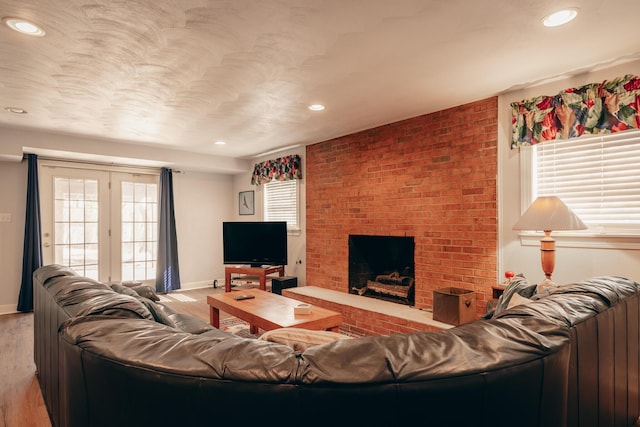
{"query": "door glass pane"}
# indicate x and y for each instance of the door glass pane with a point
(151, 269)
(76, 231)
(76, 225)
(127, 212)
(77, 211)
(127, 270)
(127, 253)
(140, 235)
(91, 233)
(139, 206)
(76, 260)
(127, 232)
(139, 253)
(91, 254)
(91, 211)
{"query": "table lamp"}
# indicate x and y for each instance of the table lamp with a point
(547, 214)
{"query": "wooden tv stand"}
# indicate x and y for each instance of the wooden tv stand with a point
(261, 272)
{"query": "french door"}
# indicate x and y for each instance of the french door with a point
(101, 223)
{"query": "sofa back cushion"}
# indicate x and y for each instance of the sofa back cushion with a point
(445, 376)
(81, 296)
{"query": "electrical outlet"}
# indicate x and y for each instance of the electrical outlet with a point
(5, 217)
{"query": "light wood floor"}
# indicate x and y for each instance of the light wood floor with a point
(21, 403)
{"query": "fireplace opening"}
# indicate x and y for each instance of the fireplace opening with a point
(382, 267)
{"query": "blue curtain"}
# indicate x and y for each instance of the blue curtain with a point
(167, 273)
(32, 251)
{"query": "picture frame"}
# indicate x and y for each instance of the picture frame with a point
(246, 203)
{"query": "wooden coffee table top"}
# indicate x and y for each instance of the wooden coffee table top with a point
(270, 311)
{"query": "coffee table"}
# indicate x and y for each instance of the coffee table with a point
(269, 311)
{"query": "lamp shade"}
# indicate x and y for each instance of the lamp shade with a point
(548, 214)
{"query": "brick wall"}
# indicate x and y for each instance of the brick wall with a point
(432, 177)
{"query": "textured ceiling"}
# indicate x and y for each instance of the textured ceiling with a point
(182, 74)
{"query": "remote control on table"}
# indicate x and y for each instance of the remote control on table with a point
(241, 297)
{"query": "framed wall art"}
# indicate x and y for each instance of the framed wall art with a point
(245, 203)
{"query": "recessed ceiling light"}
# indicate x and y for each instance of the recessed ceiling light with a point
(23, 26)
(316, 107)
(16, 110)
(219, 143)
(560, 17)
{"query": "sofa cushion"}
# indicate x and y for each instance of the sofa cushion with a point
(301, 339)
(517, 285)
(190, 324)
(216, 333)
(113, 304)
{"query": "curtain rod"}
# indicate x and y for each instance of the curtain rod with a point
(98, 163)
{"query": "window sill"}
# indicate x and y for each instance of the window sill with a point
(294, 232)
(584, 240)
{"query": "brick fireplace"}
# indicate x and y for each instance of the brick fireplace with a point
(432, 177)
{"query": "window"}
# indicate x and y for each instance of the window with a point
(597, 177)
(281, 203)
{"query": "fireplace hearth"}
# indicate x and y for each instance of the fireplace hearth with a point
(382, 267)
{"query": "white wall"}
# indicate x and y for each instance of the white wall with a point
(200, 206)
(296, 245)
(572, 263)
(13, 198)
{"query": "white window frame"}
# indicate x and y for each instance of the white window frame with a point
(293, 228)
(603, 237)
(110, 230)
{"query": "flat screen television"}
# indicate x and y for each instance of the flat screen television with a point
(255, 243)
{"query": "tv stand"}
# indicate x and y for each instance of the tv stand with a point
(261, 272)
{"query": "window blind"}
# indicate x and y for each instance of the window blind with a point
(597, 177)
(281, 202)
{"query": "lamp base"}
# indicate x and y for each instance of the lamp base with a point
(544, 285)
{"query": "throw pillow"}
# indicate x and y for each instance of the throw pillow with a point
(123, 290)
(301, 339)
(146, 291)
(517, 299)
(517, 285)
(156, 311)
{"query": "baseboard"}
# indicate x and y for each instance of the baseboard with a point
(8, 309)
(198, 285)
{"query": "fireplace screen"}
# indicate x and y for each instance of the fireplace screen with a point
(382, 267)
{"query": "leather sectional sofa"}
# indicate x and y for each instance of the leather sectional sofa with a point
(106, 358)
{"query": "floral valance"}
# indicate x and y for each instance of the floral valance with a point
(280, 169)
(607, 107)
